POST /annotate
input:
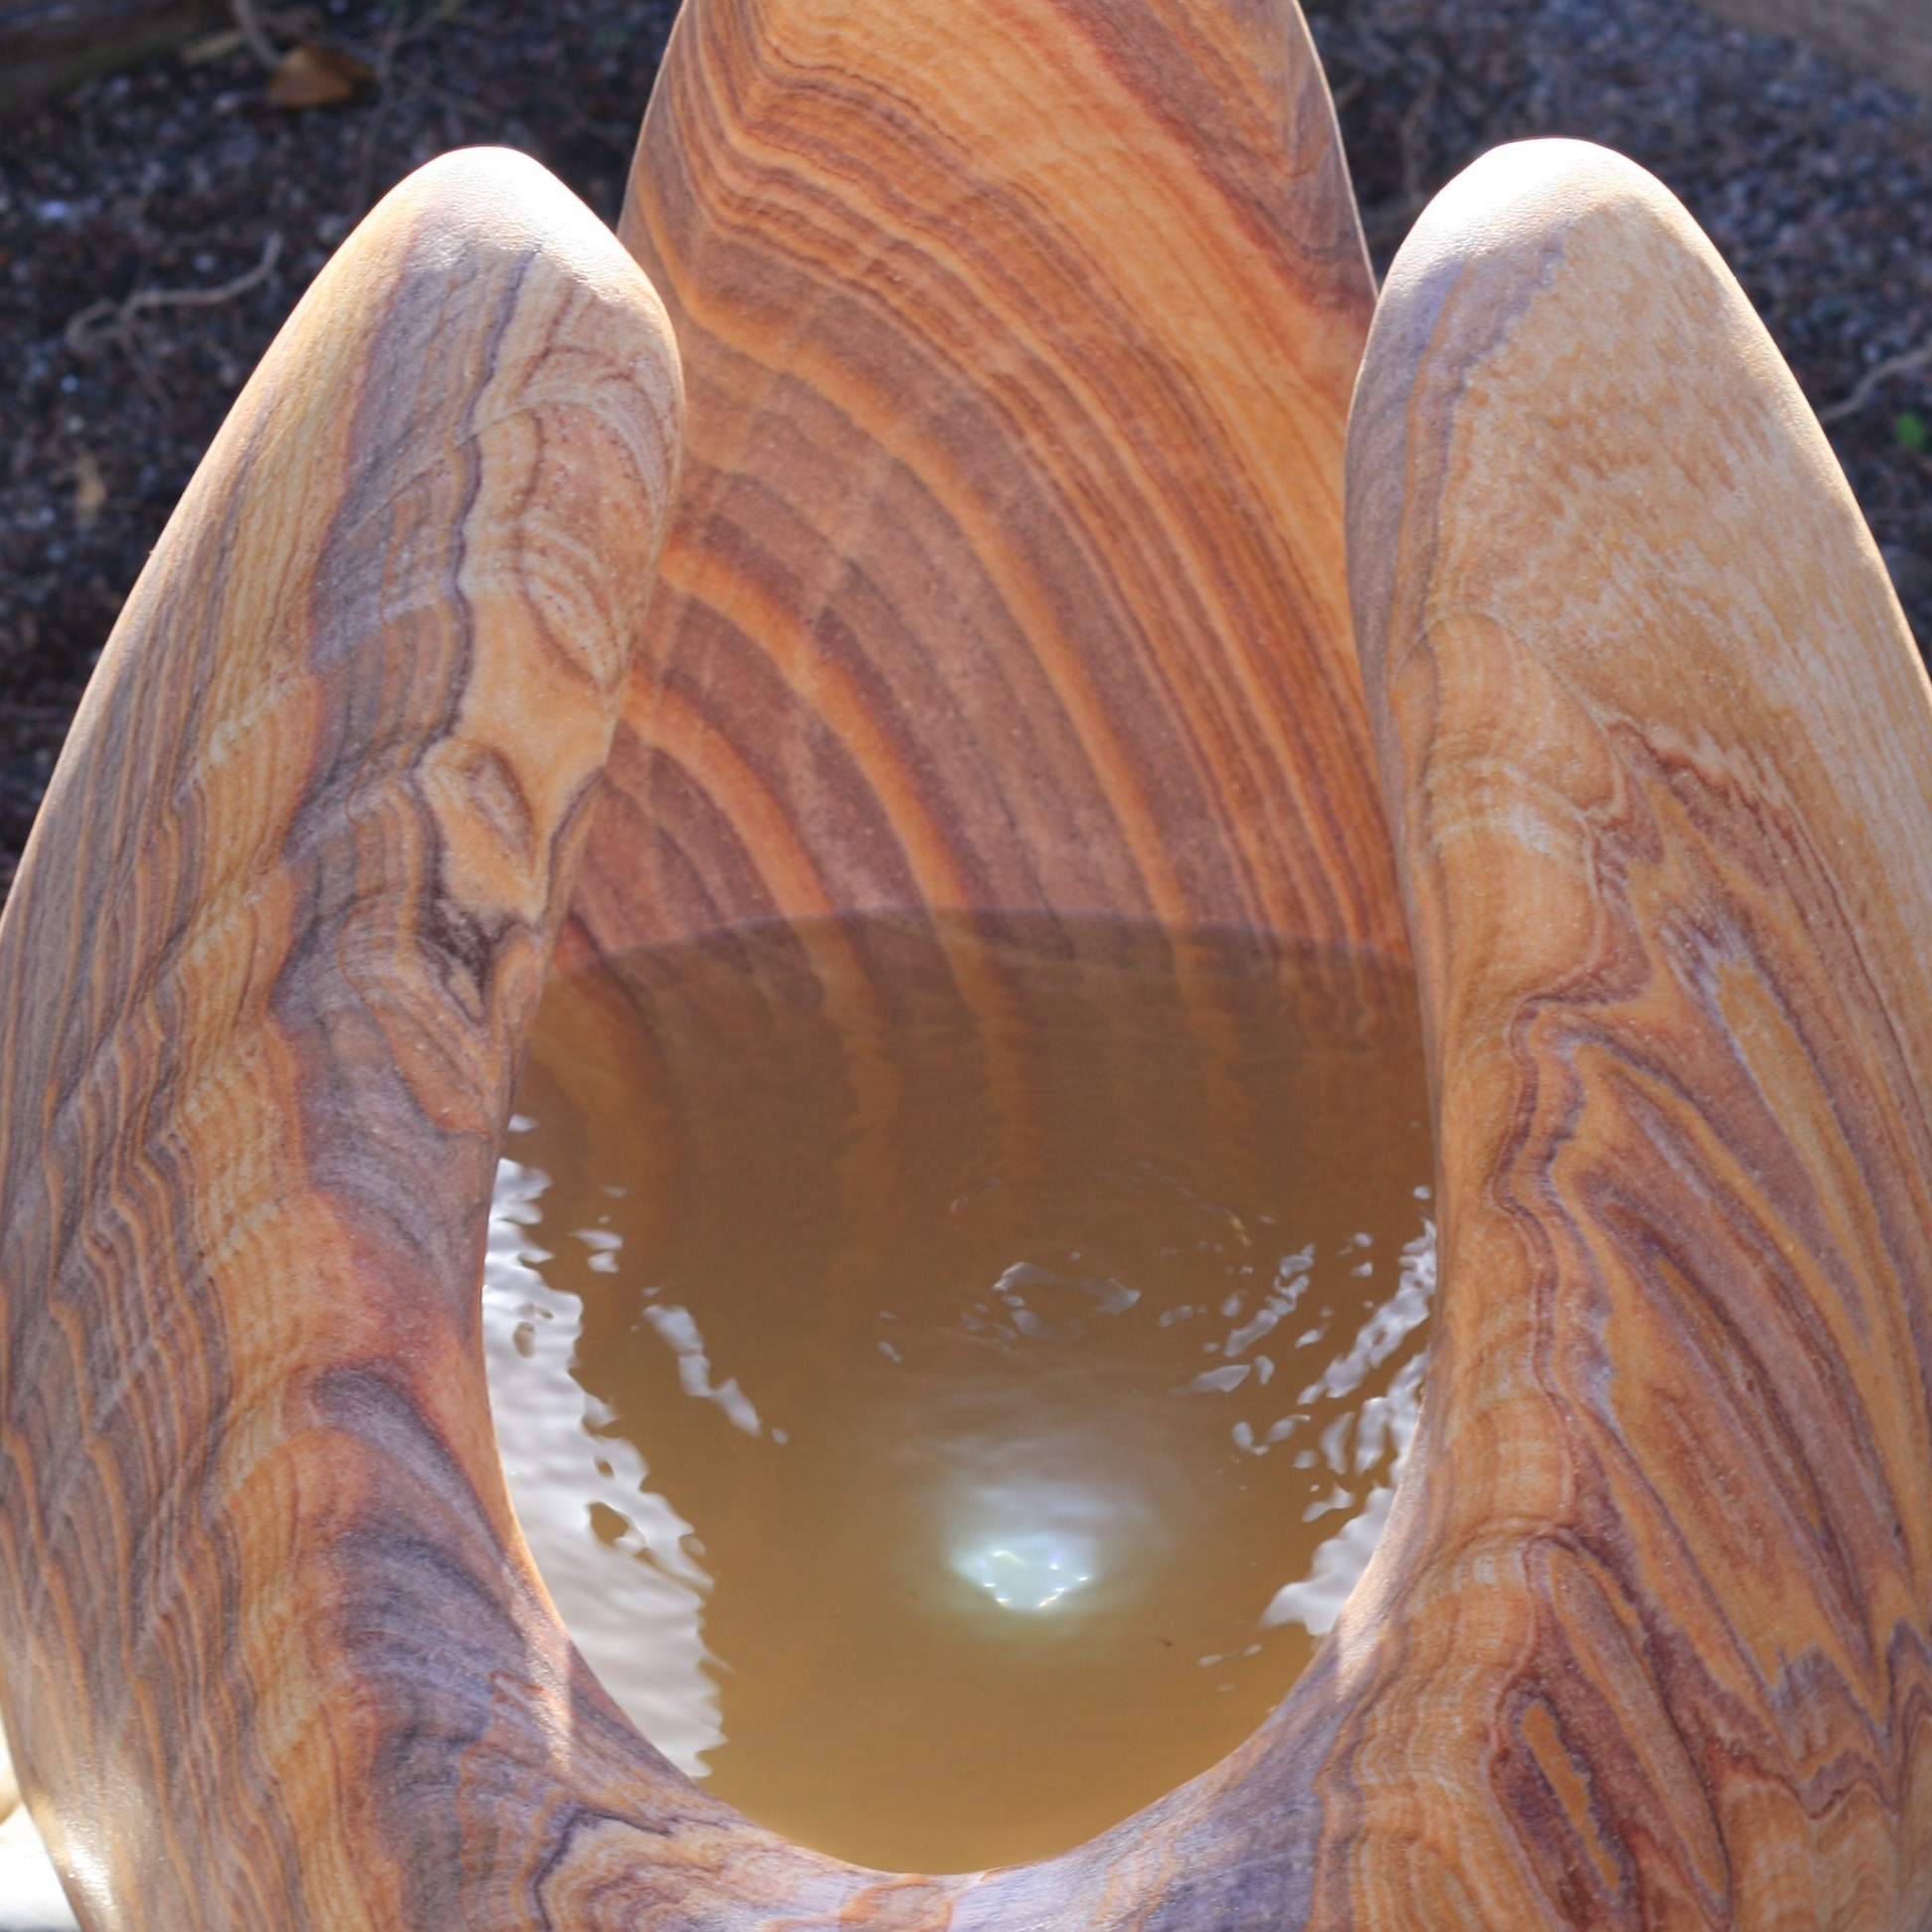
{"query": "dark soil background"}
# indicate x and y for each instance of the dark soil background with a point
(180, 178)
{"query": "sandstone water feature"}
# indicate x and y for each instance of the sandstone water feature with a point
(949, 1380)
(1629, 708)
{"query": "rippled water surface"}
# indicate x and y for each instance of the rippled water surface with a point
(949, 1380)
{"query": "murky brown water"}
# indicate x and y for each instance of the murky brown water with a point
(932, 1367)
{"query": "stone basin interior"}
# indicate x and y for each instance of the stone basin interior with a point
(950, 1372)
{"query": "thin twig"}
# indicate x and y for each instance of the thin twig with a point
(470, 110)
(1414, 196)
(1392, 218)
(385, 67)
(82, 332)
(256, 34)
(438, 16)
(1867, 383)
(294, 23)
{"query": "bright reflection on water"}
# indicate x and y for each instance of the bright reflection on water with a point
(949, 1386)
(635, 1594)
(1029, 1572)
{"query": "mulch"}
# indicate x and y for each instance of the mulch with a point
(181, 180)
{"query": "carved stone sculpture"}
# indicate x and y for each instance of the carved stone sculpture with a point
(1007, 576)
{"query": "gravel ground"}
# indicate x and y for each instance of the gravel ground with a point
(179, 176)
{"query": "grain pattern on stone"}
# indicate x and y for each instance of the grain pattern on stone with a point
(272, 1654)
(1006, 571)
(1648, 1642)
